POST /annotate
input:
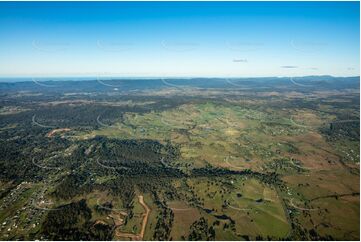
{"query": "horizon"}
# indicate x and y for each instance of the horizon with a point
(171, 77)
(179, 39)
(97, 78)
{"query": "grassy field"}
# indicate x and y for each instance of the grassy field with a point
(255, 208)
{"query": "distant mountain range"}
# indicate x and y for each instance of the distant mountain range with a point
(128, 84)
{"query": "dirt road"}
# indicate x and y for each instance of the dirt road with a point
(145, 215)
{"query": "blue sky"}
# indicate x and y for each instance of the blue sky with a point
(185, 39)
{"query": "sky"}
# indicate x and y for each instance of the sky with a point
(179, 39)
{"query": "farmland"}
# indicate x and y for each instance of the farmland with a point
(161, 162)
